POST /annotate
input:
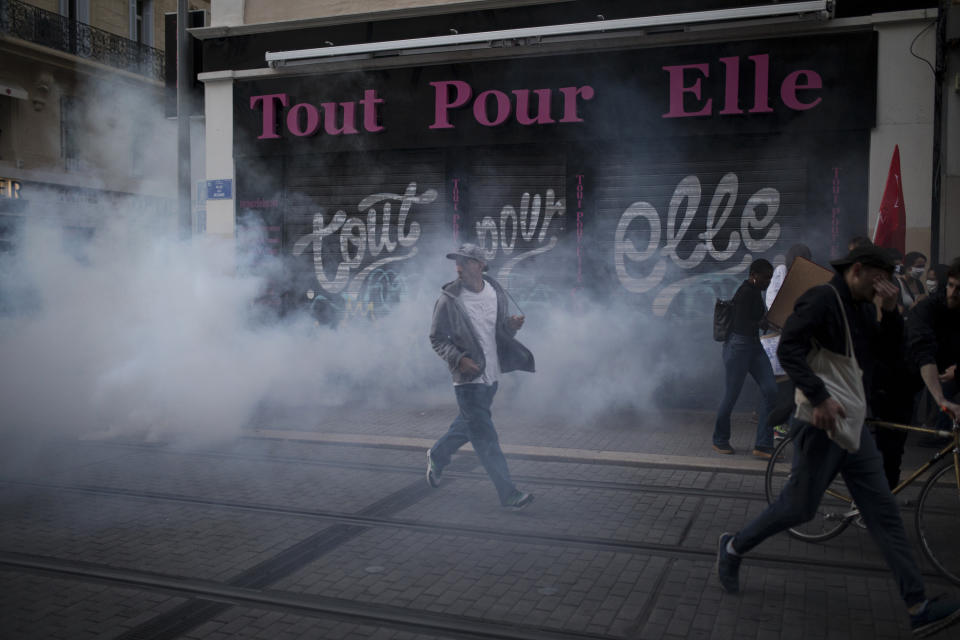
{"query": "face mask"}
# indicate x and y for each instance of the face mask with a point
(917, 272)
(931, 286)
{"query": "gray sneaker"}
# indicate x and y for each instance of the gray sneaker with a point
(518, 500)
(433, 471)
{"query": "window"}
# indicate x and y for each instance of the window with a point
(71, 127)
(141, 21)
(6, 127)
(78, 10)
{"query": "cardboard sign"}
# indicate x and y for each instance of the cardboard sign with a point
(803, 275)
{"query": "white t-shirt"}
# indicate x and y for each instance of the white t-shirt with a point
(482, 312)
(779, 274)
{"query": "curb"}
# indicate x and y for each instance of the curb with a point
(545, 454)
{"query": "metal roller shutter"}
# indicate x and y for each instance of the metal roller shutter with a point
(516, 209)
(355, 223)
(681, 231)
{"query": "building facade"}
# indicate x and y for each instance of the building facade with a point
(601, 153)
(83, 136)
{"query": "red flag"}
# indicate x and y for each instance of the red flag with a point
(891, 228)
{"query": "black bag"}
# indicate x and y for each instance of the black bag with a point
(722, 319)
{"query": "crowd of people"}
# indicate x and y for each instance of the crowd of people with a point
(885, 325)
(898, 323)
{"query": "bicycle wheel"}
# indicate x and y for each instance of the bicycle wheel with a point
(836, 510)
(938, 521)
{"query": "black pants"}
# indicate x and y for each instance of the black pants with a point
(784, 406)
(892, 407)
(890, 442)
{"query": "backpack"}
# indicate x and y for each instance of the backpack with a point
(722, 319)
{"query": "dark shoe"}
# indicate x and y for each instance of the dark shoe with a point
(725, 449)
(940, 613)
(518, 500)
(433, 471)
(728, 566)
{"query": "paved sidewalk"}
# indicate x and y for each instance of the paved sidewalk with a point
(680, 438)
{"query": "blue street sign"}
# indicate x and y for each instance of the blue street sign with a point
(219, 189)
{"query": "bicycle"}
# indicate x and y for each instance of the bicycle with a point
(937, 514)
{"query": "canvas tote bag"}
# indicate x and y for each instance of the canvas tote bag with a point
(843, 379)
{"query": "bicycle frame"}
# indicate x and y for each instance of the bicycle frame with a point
(936, 513)
(953, 446)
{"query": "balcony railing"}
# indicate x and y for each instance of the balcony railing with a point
(63, 34)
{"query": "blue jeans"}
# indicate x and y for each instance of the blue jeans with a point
(816, 461)
(475, 425)
(743, 355)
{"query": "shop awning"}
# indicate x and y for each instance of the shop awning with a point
(13, 90)
(809, 9)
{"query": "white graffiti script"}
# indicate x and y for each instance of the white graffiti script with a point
(358, 239)
(758, 215)
(527, 224)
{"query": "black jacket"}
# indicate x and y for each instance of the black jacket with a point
(748, 310)
(933, 333)
(817, 318)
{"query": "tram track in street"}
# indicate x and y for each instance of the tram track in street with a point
(644, 487)
(365, 522)
(207, 598)
(252, 587)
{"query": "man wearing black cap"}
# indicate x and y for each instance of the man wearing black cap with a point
(819, 319)
(474, 333)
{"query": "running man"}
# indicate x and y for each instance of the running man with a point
(474, 334)
(864, 273)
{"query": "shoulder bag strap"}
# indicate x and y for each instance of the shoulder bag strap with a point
(846, 324)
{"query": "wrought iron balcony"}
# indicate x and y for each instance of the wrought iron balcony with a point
(58, 32)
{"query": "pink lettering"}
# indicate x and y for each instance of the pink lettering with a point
(369, 104)
(543, 106)
(570, 101)
(480, 108)
(293, 120)
(681, 84)
(330, 118)
(761, 101)
(442, 102)
(268, 128)
(731, 94)
(303, 119)
(793, 83)
(677, 89)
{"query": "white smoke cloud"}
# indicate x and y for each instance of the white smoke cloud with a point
(150, 336)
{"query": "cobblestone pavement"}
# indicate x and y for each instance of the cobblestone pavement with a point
(320, 525)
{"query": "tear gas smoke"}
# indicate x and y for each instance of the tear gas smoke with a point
(139, 334)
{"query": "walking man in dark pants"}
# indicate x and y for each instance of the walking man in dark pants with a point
(817, 317)
(473, 332)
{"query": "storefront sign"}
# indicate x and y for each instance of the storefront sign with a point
(764, 86)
